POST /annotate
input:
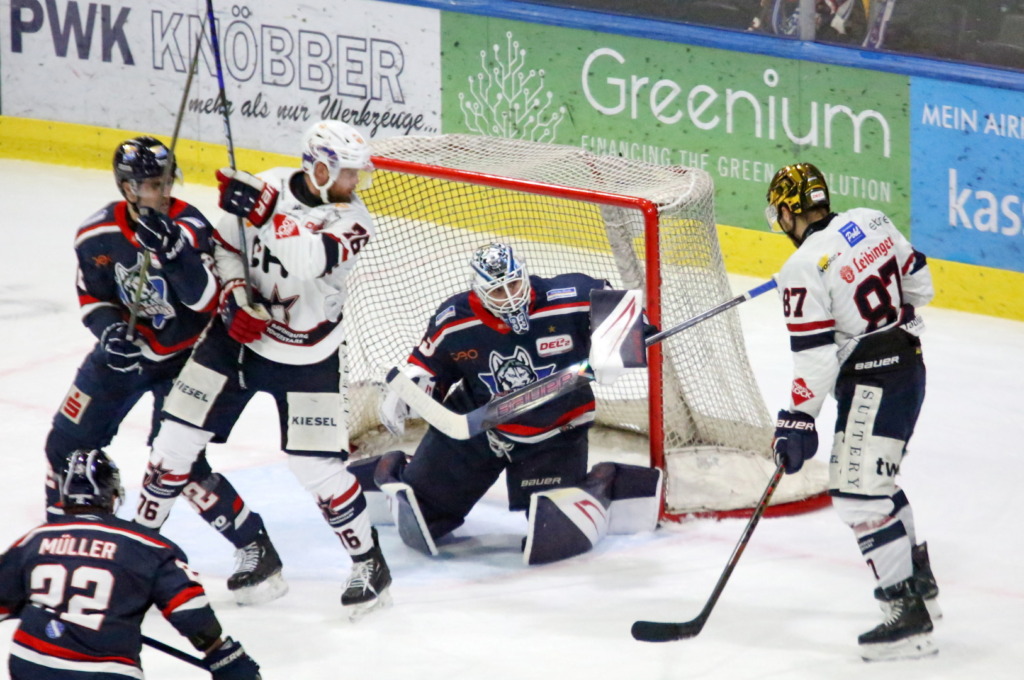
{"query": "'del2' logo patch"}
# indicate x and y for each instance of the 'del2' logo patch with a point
(852, 233)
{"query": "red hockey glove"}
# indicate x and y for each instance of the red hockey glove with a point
(245, 322)
(246, 195)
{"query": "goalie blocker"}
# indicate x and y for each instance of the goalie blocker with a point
(614, 498)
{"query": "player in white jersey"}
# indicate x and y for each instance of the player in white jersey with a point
(283, 336)
(849, 295)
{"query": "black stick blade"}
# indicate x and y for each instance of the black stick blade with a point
(652, 631)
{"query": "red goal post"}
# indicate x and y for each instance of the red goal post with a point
(696, 413)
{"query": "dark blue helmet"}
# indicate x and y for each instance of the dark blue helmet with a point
(141, 158)
(91, 480)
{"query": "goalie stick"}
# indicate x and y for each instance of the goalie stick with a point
(655, 631)
(508, 406)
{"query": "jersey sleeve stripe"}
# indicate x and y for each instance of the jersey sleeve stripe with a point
(190, 598)
(810, 326)
(800, 343)
(90, 526)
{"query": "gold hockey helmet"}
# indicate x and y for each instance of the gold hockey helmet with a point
(799, 187)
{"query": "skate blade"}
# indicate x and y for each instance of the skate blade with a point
(261, 593)
(913, 647)
(358, 611)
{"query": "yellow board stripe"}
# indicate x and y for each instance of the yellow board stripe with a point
(969, 288)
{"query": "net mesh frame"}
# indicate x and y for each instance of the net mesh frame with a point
(641, 226)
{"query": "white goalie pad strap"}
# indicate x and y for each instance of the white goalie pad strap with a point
(862, 463)
(563, 523)
(315, 422)
(195, 390)
(406, 512)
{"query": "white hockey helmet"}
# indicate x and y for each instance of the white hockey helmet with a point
(502, 284)
(337, 145)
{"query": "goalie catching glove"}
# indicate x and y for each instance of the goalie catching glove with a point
(796, 440)
(246, 195)
(245, 322)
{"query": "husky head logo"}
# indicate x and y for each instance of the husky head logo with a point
(514, 372)
(153, 302)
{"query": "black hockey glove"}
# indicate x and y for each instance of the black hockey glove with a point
(246, 195)
(230, 662)
(123, 355)
(159, 235)
(796, 440)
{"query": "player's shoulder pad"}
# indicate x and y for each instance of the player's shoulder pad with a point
(456, 308)
(565, 287)
(104, 215)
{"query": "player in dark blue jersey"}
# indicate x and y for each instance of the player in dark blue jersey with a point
(82, 585)
(508, 331)
(179, 294)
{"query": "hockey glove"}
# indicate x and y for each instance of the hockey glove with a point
(246, 195)
(230, 662)
(123, 355)
(159, 235)
(796, 440)
(245, 323)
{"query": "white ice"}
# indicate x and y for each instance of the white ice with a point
(794, 606)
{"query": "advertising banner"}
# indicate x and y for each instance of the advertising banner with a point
(738, 116)
(968, 193)
(286, 65)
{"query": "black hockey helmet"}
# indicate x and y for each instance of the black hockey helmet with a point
(91, 480)
(141, 158)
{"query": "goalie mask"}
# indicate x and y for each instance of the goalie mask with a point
(337, 145)
(91, 480)
(800, 187)
(142, 158)
(502, 284)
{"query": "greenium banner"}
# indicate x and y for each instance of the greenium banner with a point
(738, 116)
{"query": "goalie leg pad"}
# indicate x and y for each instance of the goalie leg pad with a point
(636, 498)
(376, 500)
(564, 523)
(405, 508)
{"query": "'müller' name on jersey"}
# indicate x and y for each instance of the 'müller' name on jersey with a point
(78, 547)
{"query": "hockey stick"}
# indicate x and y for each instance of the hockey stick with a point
(230, 143)
(175, 652)
(511, 405)
(654, 631)
(133, 313)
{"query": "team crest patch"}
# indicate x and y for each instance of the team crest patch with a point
(560, 293)
(54, 629)
(74, 405)
(801, 392)
(514, 372)
(285, 227)
(852, 233)
(445, 314)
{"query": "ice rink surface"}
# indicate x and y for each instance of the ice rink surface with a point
(793, 608)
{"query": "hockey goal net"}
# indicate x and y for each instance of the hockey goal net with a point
(696, 412)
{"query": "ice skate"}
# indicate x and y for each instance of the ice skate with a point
(924, 583)
(368, 584)
(257, 578)
(906, 632)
